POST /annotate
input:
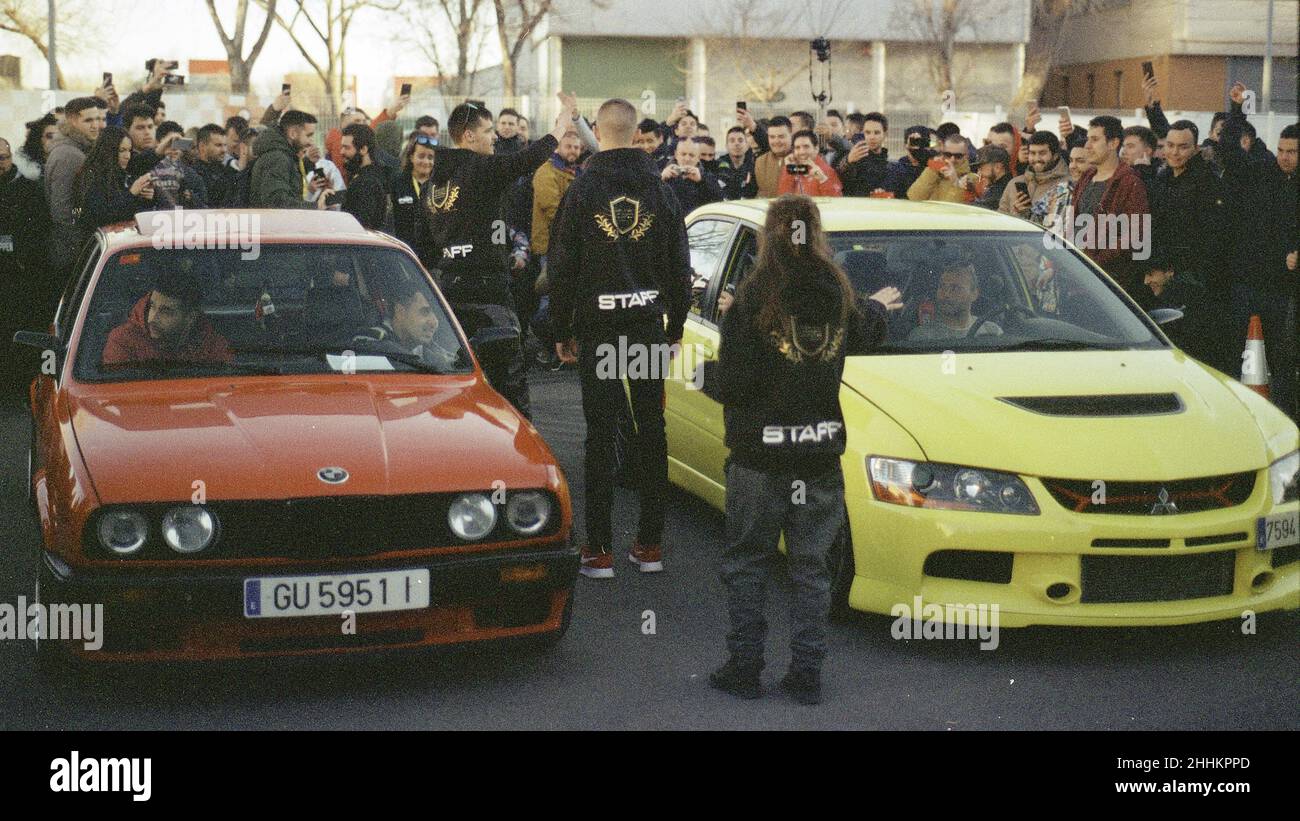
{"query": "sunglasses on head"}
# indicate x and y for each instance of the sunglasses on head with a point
(425, 139)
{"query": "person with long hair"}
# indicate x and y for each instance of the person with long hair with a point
(784, 339)
(36, 147)
(410, 191)
(100, 187)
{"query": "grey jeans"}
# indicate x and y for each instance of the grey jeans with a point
(760, 505)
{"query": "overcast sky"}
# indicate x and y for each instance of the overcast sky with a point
(129, 32)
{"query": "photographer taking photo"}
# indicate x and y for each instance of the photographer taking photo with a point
(794, 320)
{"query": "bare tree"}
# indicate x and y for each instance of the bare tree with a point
(516, 21)
(753, 40)
(318, 26)
(938, 24)
(1045, 30)
(241, 66)
(454, 58)
(29, 19)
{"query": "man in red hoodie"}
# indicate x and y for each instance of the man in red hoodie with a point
(1110, 192)
(166, 324)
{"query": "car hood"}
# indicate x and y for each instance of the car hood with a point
(956, 414)
(256, 439)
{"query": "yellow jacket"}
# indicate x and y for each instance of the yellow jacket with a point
(549, 185)
(932, 185)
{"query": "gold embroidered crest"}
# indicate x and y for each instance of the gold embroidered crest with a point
(817, 342)
(443, 198)
(624, 218)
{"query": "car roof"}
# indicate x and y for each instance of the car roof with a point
(871, 214)
(269, 225)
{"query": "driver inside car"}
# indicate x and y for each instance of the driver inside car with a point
(957, 292)
(166, 324)
(409, 328)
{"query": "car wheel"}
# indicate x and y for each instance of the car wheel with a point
(842, 569)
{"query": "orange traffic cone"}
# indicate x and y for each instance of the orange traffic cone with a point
(1254, 364)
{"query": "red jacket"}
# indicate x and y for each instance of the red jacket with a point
(130, 341)
(808, 185)
(1125, 193)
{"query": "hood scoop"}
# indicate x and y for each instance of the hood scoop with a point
(1120, 404)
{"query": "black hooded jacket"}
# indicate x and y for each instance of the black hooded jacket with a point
(618, 253)
(1188, 212)
(464, 202)
(781, 391)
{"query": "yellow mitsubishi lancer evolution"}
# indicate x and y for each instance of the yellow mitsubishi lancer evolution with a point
(1053, 455)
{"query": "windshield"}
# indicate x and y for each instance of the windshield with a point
(294, 309)
(988, 291)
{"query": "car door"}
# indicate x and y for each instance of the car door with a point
(698, 418)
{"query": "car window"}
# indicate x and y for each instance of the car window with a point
(709, 240)
(738, 267)
(292, 309)
(75, 289)
(987, 291)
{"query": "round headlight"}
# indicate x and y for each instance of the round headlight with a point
(123, 531)
(188, 529)
(528, 512)
(472, 516)
(1013, 497)
(970, 485)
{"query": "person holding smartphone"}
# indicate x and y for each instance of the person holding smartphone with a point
(805, 172)
(785, 336)
(102, 193)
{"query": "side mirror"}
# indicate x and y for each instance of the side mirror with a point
(494, 343)
(47, 344)
(1164, 316)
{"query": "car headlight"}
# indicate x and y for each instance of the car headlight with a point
(123, 531)
(528, 512)
(1282, 478)
(188, 529)
(948, 487)
(472, 516)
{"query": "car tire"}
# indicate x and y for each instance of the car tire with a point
(842, 569)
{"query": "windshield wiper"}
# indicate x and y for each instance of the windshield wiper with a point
(1055, 344)
(408, 359)
(166, 365)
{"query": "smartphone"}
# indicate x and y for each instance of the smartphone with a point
(1065, 111)
(1148, 70)
(173, 79)
(108, 79)
(1022, 187)
(171, 65)
(318, 173)
(284, 88)
(183, 143)
(798, 169)
(406, 89)
(742, 105)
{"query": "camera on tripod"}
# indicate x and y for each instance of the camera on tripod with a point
(822, 48)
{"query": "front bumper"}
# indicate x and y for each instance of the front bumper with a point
(199, 616)
(1066, 568)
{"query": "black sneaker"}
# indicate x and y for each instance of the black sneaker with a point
(803, 687)
(740, 680)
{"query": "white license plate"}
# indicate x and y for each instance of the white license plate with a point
(281, 596)
(1278, 530)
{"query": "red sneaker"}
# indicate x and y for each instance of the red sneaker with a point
(597, 564)
(647, 556)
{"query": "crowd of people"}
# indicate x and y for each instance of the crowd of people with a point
(517, 232)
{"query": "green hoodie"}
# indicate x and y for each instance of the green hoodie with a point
(277, 180)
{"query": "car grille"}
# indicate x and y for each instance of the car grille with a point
(1145, 498)
(327, 527)
(1124, 404)
(1149, 578)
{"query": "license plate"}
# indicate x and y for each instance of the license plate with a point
(284, 596)
(1278, 530)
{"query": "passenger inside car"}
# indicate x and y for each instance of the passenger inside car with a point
(957, 292)
(410, 328)
(167, 324)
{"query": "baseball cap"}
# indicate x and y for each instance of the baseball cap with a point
(991, 153)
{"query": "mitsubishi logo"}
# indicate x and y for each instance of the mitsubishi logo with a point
(332, 475)
(1163, 507)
